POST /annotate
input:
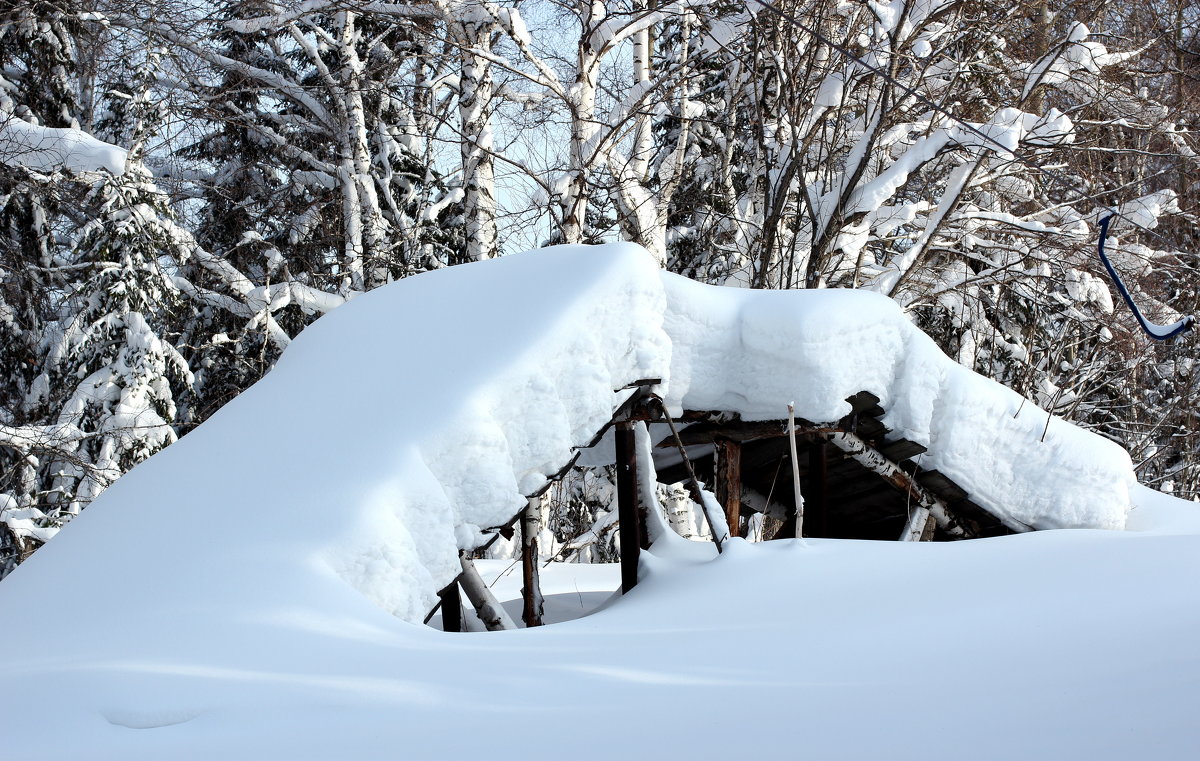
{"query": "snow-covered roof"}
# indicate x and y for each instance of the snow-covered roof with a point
(397, 427)
(209, 596)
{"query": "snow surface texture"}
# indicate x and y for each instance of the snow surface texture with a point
(204, 596)
(50, 149)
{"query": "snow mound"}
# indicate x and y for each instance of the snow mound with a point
(397, 427)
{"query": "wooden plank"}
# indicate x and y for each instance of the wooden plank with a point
(729, 481)
(863, 400)
(734, 430)
(901, 450)
(627, 505)
(871, 429)
(941, 486)
(451, 604)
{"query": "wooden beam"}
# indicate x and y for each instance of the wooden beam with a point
(729, 481)
(901, 450)
(451, 602)
(733, 430)
(627, 505)
(872, 460)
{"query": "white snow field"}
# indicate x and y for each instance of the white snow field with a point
(255, 591)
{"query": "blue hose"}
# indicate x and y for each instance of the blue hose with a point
(1157, 332)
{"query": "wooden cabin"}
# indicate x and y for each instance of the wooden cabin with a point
(857, 481)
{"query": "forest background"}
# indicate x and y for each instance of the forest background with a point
(281, 157)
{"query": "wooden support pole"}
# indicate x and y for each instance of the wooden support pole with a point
(451, 608)
(729, 481)
(533, 603)
(627, 505)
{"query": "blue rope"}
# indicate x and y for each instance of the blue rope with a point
(1157, 332)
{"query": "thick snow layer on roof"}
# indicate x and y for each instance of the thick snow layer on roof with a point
(50, 149)
(234, 591)
(397, 427)
(754, 351)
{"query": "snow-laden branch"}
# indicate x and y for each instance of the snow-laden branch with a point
(27, 438)
(289, 89)
(49, 149)
(277, 20)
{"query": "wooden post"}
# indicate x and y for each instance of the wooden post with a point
(627, 505)
(531, 589)
(451, 608)
(729, 481)
(817, 498)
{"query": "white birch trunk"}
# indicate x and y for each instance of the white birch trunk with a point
(476, 90)
(573, 201)
(490, 611)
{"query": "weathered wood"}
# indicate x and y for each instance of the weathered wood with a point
(533, 603)
(901, 450)
(627, 505)
(872, 460)
(729, 482)
(491, 612)
(919, 527)
(862, 401)
(941, 485)
(734, 430)
(451, 604)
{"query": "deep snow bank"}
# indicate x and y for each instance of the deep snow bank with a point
(396, 427)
